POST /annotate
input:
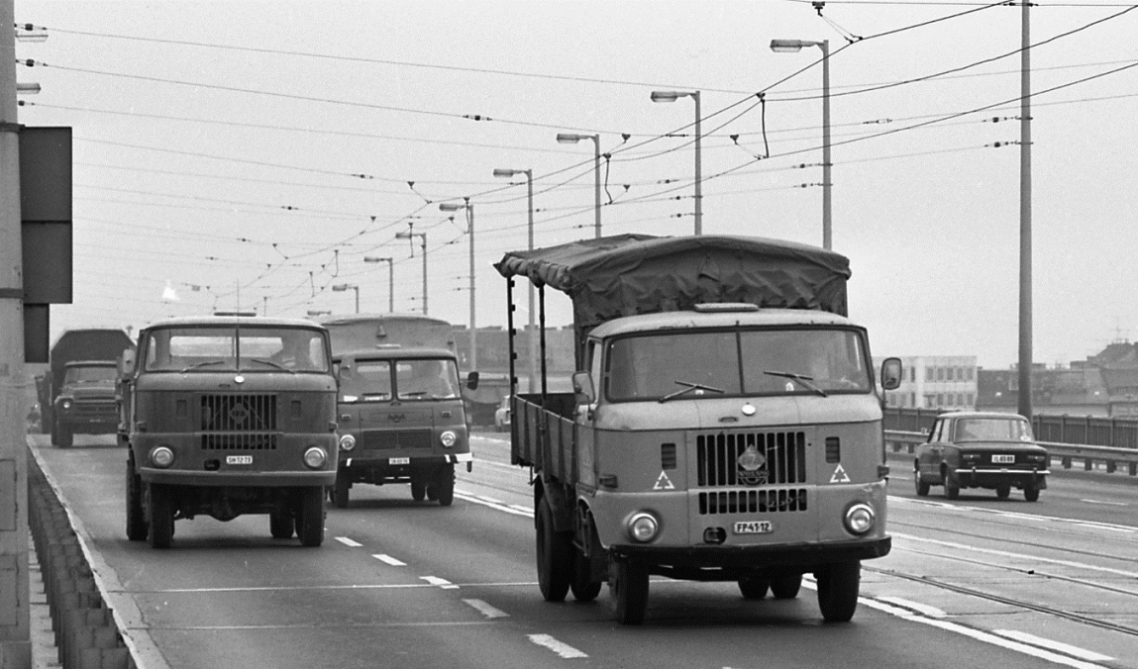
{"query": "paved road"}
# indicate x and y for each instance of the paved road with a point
(976, 581)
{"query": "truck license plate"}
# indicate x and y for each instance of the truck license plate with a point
(1004, 459)
(753, 527)
(399, 461)
(239, 459)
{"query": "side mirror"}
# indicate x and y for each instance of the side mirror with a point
(472, 380)
(583, 388)
(126, 363)
(891, 373)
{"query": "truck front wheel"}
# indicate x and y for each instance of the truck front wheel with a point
(161, 512)
(63, 435)
(340, 492)
(281, 524)
(838, 586)
(554, 556)
(628, 584)
(444, 483)
(310, 520)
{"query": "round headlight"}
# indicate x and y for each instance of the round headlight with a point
(643, 527)
(162, 456)
(860, 518)
(315, 457)
(448, 438)
(347, 442)
(66, 404)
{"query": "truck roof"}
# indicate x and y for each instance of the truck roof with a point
(258, 321)
(692, 319)
(395, 352)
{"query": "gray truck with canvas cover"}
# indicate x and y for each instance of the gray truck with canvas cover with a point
(77, 395)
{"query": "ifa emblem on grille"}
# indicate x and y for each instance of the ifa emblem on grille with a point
(752, 467)
(395, 417)
(238, 414)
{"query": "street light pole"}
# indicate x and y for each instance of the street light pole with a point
(532, 326)
(568, 138)
(423, 235)
(450, 206)
(672, 96)
(791, 46)
(390, 280)
(346, 286)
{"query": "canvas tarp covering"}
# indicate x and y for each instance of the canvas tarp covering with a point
(638, 274)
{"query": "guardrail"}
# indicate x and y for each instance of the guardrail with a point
(1109, 456)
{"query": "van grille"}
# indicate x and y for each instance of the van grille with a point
(374, 440)
(775, 458)
(239, 422)
(752, 501)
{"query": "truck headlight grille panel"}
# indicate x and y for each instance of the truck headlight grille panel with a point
(751, 458)
(233, 421)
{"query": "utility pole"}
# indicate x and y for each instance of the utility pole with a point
(15, 636)
(1025, 318)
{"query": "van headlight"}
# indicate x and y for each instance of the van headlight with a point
(643, 527)
(860, 518)
(162, 456)
(347, 442)
(315, 457)
(448, 439)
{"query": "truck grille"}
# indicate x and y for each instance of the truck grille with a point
(751, 458)
(752, 501)
(239, 422)
(94, 408)
(375, 440)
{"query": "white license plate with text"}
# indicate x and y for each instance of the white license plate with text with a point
(753, 527)
(239, 459)
(399, 461)
(1004, 459)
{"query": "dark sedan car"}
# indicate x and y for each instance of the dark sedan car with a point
(973, 449)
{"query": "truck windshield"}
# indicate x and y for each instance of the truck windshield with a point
(426, 379)
(227, 348)
(733, 363)
(89, 374)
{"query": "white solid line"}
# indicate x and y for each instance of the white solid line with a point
(566, 651)
(1073, 651)
(1095, 501)
(924, 609)
(991, 551)
(486, 609)
(348, 542)
(441, 582)
(389, 560)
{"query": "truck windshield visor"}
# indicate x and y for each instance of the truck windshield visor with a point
(737, 363)
(245, 349)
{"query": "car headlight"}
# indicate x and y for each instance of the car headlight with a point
(162, 456)
(315, 457)
(348, 399)
(347, 442)
(66, 404)
(643, 527)
(448, 439)
(860, 518)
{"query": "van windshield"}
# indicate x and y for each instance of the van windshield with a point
(685, 365)
(411, 379)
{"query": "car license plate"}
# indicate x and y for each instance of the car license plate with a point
(399, 461)
(753, 527)
(1004, 459)
(239, 459)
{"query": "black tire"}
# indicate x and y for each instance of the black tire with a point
(161, 516)
(54, 432)
(310, 517)
(64, 436)
(1003, 491)
(838, 586)
(136, 527)
(786, 587)
(582, 585)
(554, 555)
(753, 588)
(340, 492)
(1031, 493)
(432, 492)
(281, 524)
(418, 491)
(628, 585)
(919, 483)
(951, 487)
(444, 485)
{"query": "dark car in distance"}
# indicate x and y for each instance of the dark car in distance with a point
(977, 449)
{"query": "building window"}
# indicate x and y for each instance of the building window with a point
(930, 401)
(913, 399)
(968, 373)
(940, 373)
(928, 373)
(970, 398)
(912, 374)
(940, 399)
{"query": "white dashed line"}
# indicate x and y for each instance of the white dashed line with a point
(441, 582)
(348, 542)
(1095, 501)
(486, 610)
(389, 560)
(512, 509)
(564, 650)
(930, 611)
(1073, 651)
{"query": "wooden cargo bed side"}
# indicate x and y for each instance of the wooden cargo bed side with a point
(544, 438)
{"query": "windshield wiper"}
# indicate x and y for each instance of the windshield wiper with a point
(687, 388)
(274, 363)
(204, 363)
(801, 379)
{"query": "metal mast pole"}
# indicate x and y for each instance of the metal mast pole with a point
(473, 327)
(1025, 317)
(698, 167)
(827, 229)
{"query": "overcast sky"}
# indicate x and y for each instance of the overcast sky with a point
(251, 154)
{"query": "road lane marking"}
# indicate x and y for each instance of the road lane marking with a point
(441, 582)
(564, 650)
(1020, 556)
(485, 609)
(389, 560)
(348, 542)
(923, 609)
(1073, 651)
(512, 509)
(1017, 515)
(1095, 501)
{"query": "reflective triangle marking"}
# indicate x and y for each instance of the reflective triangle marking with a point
(663, 483)
(840, 476)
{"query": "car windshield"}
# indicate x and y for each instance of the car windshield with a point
(89, 374)
(213, 348)
(684, 365)
(993, 429)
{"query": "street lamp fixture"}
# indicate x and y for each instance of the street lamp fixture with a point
(792, 46)
(390, 279)
(422, 235)
(341, 287)
(502, 172)
(469, 208)
(570, 138)
(672, 96)
(319, 312)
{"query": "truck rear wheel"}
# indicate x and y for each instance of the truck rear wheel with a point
(281, 524)
(418, 490)
(136, 529)
(161, 516)
(63, 436)
(753, 588)
(444, 484)
(310, 520)
(838, 586)
(554, 555)
(340, 492)
(628, 584)
(786, 587)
